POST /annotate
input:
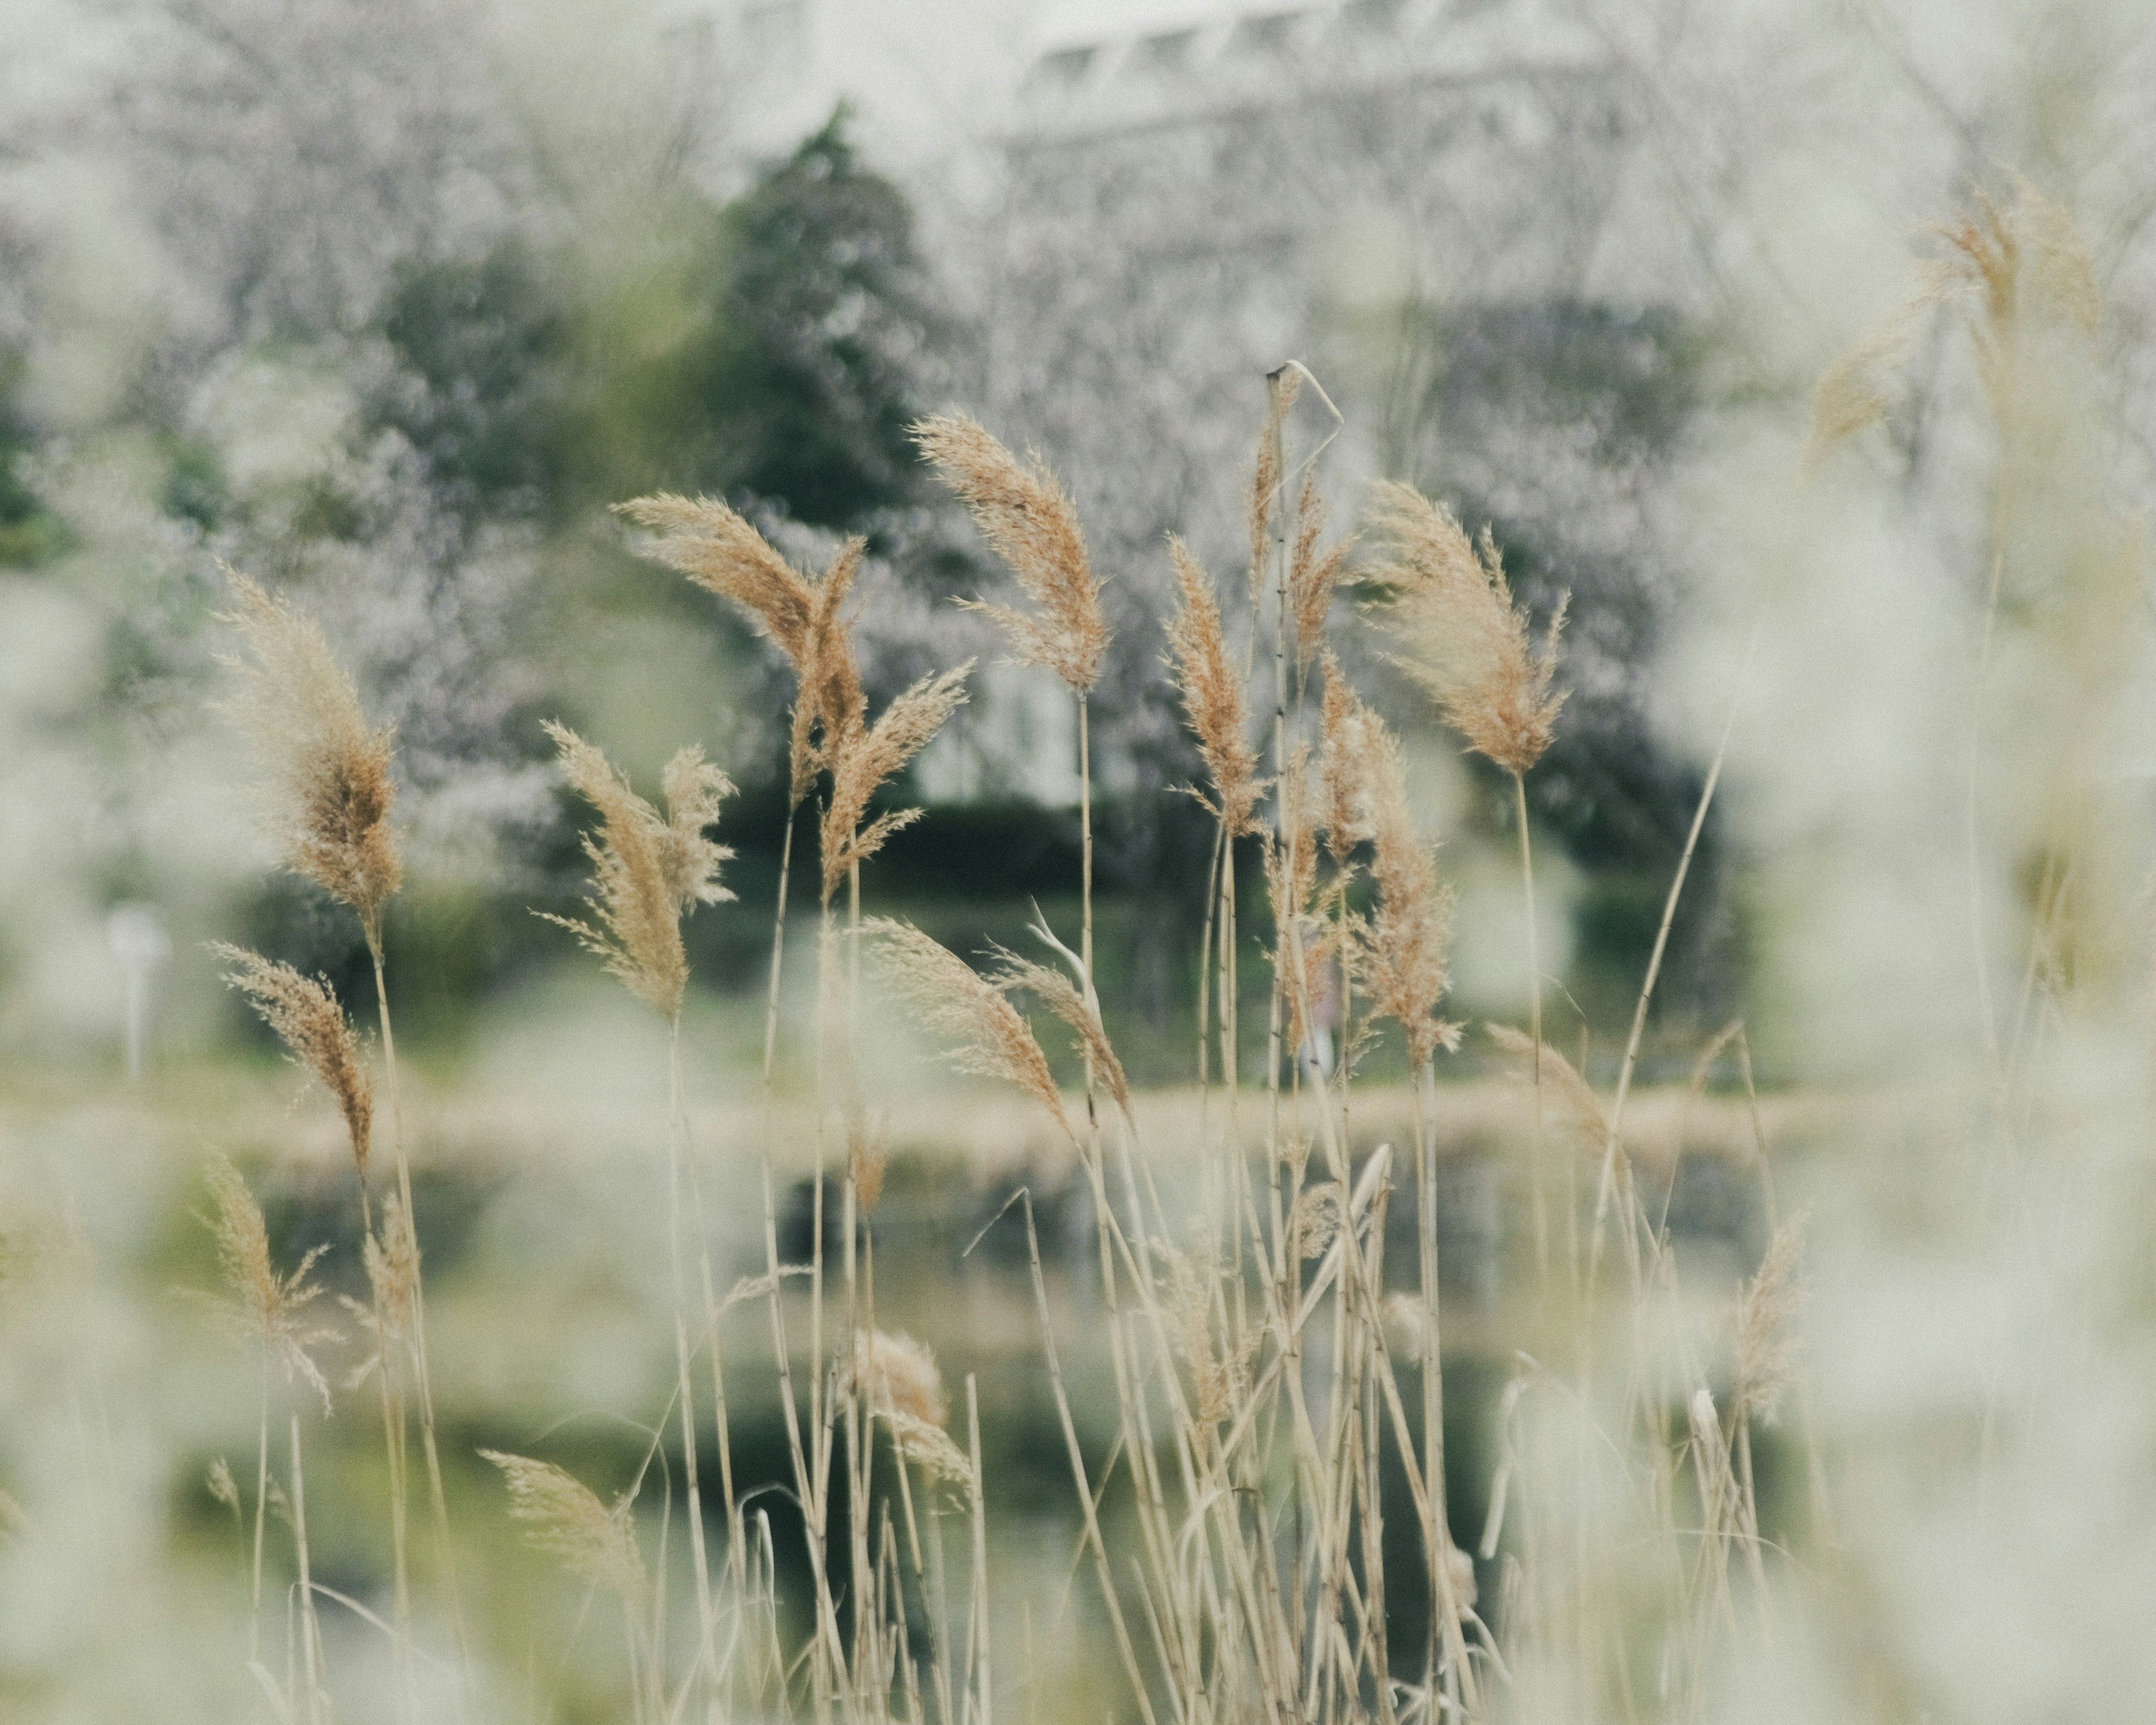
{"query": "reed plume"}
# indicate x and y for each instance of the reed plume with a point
(1462, 638)
(1213, 700)
(1312, 575)
(1028, 518)
(648, 871)
(330, 772)
(1345, 738)
(869, 758)
(307, 1018)
(392, 1256)
(2022, 266)
(270, 1307)
(1765, 1351)
(567, 1521)
(898, 1378)
(1579, 1110)
(1061, 996)
(992, 1038)
(722, 553)
(893, 1372)
(1404, 945)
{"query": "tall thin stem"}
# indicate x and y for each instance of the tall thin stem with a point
(436, 1498)
(1535, 1032)
(677, 1132)
(1085, 842)
(310, 1629)
(1655, 966)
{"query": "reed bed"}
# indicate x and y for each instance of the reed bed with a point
(1278, 1392)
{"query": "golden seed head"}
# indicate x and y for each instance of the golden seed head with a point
(991, 1037)
(1312, 575)
(330, 772)
(1061, 996)
(721, 550)
(1766, 1351)
(897, 1374)
(270, 1307)
(1462, 638)
(566, 1520)
(1212, 691)
(867, 759)
(1403, 946)
(647, 871)
(1579, 1111)
(305, 1014)
(1028, 518)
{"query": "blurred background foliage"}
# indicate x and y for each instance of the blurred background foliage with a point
(387, 307)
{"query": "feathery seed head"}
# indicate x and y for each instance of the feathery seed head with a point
(568, 1521)
(1029, 520)
(1463, 639)
(647, 872)
(1312, 575)
(1212, 693)
(992, 1038)
(894, 1372)
(330, 772)
(392, 1269)
(1765, 1353)
(1061, 996)
(867, 758)
(2025, 266)
(719, 549)
(722, 552)
(1579, 1110)
(305, 1014)
(897, 1376)
(270, 1307)
(1346, 736)
(1402, 960)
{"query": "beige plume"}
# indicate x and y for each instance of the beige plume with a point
(1029, 520)
(330, 771)
(647, 872)
(1462, 637)
(308, 1021)
(1212, 691)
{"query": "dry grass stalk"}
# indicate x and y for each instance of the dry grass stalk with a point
(308, 1021)
(270, 1307)
(1029, 520)
(1212, 691)
(1403, 948)
(1281, 388)
(568, 1521)
(1062, 997)
(1464, 640)
(868, 759)
(1764, 1356)
(647, 871)
(993, 1038)
(331, 771)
